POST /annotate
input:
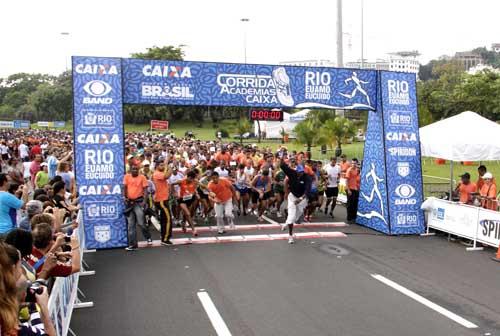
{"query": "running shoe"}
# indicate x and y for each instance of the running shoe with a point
(150, 241)
(291, 240)
(131, 248)
(284, 226)
(166, 243)
(278, 214)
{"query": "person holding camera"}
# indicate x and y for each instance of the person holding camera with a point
(17, 292)
(9, 201)
(47, 245)
(135, 190)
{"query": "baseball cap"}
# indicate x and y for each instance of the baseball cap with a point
(300, 169)
(487, 175)
(44, 164)
(146, 163)
(130, 157)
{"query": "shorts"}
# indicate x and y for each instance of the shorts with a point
(202, 194)
(255, 196)
(332, 192)
(312, 197)
(242, 191)
(188, 202)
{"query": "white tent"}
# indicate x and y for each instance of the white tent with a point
(272, 129)
(463, 137)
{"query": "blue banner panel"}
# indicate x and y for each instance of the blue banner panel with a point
(22, 124)
(225, 84)
(402, 143)
(372, 207)
(99, 149)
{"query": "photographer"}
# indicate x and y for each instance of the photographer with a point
(15, 290)
(66, 249)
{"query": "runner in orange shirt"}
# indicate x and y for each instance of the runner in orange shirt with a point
(160, 180)
(465, 189)
(188, 195)
(353, 183)
(344, 165)
(221, 193)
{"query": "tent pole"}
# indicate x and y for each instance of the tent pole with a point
(451, 180)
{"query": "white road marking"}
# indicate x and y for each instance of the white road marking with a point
(213, 314)
(424, 301)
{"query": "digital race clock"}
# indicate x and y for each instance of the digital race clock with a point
(266, 115)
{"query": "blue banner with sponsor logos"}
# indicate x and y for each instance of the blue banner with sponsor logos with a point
(226, 84)
(99, 149)
(391, 178)
(402, 144)
(373, 205)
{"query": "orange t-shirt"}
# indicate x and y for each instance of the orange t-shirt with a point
(308, 170)
(465, 190)
(226, 157)
(135, 185)
(353, 178)
(241, 158)
(222, 190)
(344, 166)
(187, 189)
(489, 191)
(161, 186)
(480, 182)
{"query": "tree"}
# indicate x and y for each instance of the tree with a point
(336, 131)
(307, 133)
(243, 126)
(161, 53)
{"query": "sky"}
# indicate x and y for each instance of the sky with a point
(277, 31)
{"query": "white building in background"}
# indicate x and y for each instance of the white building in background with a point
(481, 67)
(495, 47)
(404, 61)
(379, 64)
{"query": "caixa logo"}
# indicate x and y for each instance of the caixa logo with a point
(92, 190)
(405, 192)
(96, 69)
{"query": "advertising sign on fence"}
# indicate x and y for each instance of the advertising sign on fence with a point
(159, 125)
(226, 84)
(6, 124)
(489, 227)
(99, 160)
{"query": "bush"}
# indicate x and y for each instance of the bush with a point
(224, 133)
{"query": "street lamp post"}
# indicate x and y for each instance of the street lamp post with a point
(244, 20)
(362, 35)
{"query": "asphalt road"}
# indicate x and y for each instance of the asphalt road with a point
(273, 288)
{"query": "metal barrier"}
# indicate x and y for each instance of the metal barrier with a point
(65, 295)
(466, 221)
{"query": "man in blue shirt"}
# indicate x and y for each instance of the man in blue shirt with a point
(7, 202)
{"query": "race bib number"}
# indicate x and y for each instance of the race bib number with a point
(187, 197)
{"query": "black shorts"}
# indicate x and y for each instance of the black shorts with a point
(332, 192)
(312, 197)
(202, 194)
(255, 196)
(187, 202)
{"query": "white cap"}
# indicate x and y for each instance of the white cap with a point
(487, 175)
(146, 163)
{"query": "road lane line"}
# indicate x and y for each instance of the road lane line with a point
(213, 314)
(425, 302)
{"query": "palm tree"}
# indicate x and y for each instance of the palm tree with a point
(307, 133)
(243, 127)
(335, 131)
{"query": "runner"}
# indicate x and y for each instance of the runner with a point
(332, 188)
(242, 186)
(299, 186)
(221, 193)
(160, 180)
(187, 197)
(261, 186)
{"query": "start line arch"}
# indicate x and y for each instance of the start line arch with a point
(391, 176)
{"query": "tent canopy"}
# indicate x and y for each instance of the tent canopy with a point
(463, 137)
